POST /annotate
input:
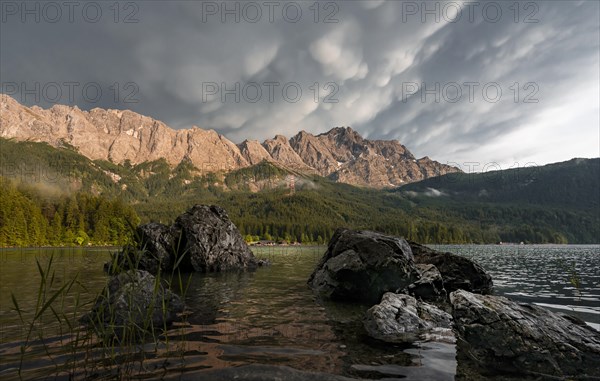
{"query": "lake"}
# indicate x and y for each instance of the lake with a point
(269, 316)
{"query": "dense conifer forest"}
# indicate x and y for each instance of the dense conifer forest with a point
(28, 217)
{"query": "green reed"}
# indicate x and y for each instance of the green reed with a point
(103, 348)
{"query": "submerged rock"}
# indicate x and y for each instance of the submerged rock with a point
(202, 239)
(131, 304)
(402, 318)
(208, 241)
(362, 266)
(458, 272)
(430, 287)
(498, 336)
(263, 263)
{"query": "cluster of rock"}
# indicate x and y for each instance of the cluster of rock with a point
(420, 294)
(203, 239)
(430, 295)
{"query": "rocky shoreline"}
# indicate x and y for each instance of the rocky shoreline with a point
(416, 294)
(451, 300)
(137, 300)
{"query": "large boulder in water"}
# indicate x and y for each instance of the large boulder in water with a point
(402, 318)
(133, 303)
(362, 266)
(208, 241)
(202, 239)
(458, 272)
(501, 337)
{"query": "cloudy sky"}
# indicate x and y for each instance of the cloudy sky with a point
(486, 82)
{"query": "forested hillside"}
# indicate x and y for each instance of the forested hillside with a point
(29, 217)
(558, 202)
(571, 184)
(551, 204)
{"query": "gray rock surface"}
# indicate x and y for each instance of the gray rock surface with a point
(208, 241)
(362, 266)
(131, 304)
(430, 287)
(402, 318)
(499, 336)
(153, 252)
(458, 272)
(202, 239)
(157, 241)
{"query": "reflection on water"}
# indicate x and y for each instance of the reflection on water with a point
(19, 275)
(271, 316)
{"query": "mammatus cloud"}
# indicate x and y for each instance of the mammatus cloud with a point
(461, 84)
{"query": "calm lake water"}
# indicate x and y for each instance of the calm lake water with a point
(270, 316)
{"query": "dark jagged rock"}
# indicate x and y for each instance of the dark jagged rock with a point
(362, 266)
(153, 252)
(499, 336)
(202, 239)
(457, 272)
(131, 304)
(156, 239)
(402, 318)
(430, 287)
(208, 241)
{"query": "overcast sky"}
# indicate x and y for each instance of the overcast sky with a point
(359, 64)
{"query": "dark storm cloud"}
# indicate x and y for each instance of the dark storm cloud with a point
(375, 58)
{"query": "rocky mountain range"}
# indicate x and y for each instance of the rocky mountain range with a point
(122, 135)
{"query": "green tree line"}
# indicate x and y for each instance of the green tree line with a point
(28, 217)
(311, 216)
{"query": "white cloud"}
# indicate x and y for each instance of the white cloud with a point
(257, 60)
(340, 52)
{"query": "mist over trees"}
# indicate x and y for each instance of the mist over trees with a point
(30, 218)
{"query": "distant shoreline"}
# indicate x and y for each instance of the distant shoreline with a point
(60, 247)
(2, 248)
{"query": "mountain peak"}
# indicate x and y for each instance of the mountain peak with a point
(280, 138)
(347, 131)
(254, 152)
(341, 153)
